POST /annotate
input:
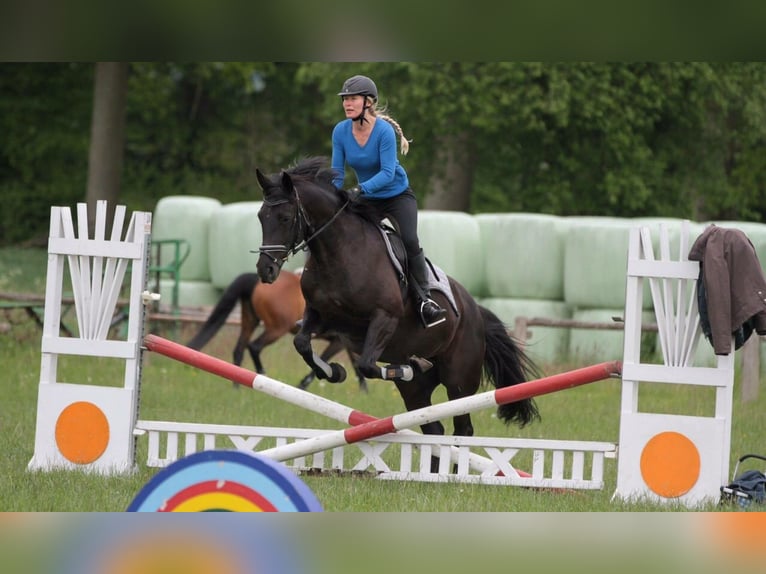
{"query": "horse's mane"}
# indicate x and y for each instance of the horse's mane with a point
(317, 170)
(314, 168)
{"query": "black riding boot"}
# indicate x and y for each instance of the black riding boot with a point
(430, 312)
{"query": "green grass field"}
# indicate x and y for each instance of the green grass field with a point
(176, 392)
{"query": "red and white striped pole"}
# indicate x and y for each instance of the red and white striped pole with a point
(455, 407)
(255, 381)
(285, 392)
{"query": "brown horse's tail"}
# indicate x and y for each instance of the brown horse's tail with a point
(239, 289)
(506, 364)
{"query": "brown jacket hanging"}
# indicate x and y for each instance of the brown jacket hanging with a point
(734, 282)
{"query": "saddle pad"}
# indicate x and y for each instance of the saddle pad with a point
(437, 279)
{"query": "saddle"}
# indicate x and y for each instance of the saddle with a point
(437, 279)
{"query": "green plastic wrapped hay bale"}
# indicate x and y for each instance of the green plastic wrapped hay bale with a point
(451, 241)
(185, 217)
(235, 236)
(190, 294)
(523, 254)
(547, 345)
(597, 345)
(595, 263)
(234, 233)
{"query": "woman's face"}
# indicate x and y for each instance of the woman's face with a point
(353, 105)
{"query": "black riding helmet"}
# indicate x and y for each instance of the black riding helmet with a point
(360, 86)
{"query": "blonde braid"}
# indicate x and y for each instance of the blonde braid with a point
(404, 143)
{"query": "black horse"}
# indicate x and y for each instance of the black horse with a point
(353, 291)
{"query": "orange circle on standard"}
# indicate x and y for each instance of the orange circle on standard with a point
(670, 464)
(82, 432)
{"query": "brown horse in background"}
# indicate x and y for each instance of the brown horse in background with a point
(278, 305)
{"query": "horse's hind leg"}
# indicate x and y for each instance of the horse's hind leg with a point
(307, 380)
(458, 388)
(265, 339)
(381, 328)
(248, 323)
(461, 383)
(255, 354)
(460, 373)
(359, 376)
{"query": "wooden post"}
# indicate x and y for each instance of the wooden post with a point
(751, 368)
(520, 330)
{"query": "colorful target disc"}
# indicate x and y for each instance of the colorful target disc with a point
(225, 481)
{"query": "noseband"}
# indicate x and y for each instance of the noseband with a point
(300, 222)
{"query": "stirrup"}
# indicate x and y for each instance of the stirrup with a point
(441, 314)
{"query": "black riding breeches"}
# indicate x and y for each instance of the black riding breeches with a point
(404, 209)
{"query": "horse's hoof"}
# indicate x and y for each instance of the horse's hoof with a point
(338, 373)
(363, 386)
(304, 384)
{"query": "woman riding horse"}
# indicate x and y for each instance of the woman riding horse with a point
(353, 291)
(368, 146)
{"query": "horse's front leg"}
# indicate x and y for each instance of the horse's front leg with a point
(379, 333)
(329, 352)
(333, 372)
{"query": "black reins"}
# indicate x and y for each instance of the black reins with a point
(300, 220)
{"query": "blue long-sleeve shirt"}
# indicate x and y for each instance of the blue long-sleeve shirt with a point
(377, 169)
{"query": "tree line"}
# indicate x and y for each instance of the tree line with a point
(661, 139)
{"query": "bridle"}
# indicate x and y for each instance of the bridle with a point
(301, 225)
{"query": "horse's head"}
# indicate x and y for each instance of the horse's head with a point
(281, 223)
(299, 204)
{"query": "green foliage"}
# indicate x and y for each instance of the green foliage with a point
(681, 139)
(25, 213)
(23, 270)
(45, 121)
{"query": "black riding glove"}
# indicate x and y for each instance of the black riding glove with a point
(354, 193)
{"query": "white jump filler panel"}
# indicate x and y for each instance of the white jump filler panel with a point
(668, 457)
(84, 426)
(555, 463)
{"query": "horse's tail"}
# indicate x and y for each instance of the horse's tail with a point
(240, 288)
(506, 364)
